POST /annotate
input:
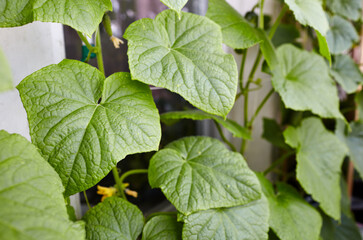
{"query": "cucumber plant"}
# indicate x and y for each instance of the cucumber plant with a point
(82, 124)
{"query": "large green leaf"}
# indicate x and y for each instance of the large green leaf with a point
(302, 79)
(291, 217)
(176, 5)
(351, 9)
(244, 222)
(162, 227)
(347, 73)
(232, 126)
(341, 35)
(311, 13)
(319, 158)
(237, 31)
(6, 79)
(84, 15)
(31, 200)
(199, 173)
(79, 136)
(354, 142)
(346, 229)
(114, 218)
(185, 56)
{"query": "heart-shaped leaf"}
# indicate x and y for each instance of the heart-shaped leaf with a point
(31, 200)
(319, 158)
(347, 73)
(300, 89)
(84, 16)
(185, 56)
(162, 227)
(291, 217)
(176, 5)
(351, 9)
(6, 79)
(237, 31)
(341, 35)
(199, 173)
(79, 136)
(114, 218)
(244, 222)
(232, 126)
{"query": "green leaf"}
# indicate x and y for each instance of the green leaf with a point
(199, 173)
(359, 101)
(311, 13)
(268, 50)
(6, 79)
(186, 57)
(351, 9)
(291, 217)
(301, 89)
(347, 73)
(319, 158)
(31, 200)
(237, 31)
(162, 227)
(232, 126)
(354, 142)
(285, 33)
(83, 16)
(244, 222)
(81, 138)
(176, 5)
(341, 35)
(346, 229)
(272, 132)
(114, 218)
(323, 47)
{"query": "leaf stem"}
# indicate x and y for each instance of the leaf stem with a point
(259, 108)
(159, 213)
(278, 162)
(241, 71)
(85, 197)
(120, 187)
(224, 137)
(277, 22)
(85, 40)
(132, 172)
(99, 51)
(261, 21)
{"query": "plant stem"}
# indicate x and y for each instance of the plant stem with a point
(99, 51)
(120, 187)
(277, 22)
(261, 21)
(159, 213)
(278, 162)
(241, 71)
(224, 137)
(132, 172)
(85, 196)
(85, 40)
(259, 108)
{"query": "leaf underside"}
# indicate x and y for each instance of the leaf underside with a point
(162, 227)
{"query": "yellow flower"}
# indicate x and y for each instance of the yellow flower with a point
(106, 192)
(116, 41)
(131, 193)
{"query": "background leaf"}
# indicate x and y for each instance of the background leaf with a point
(341, 35)
(114, 218)
(6, 79)
(272, 132)
(186, 57)
(244, 222)
(291, 217)
(359, 101)
(83, 16)
(300, 89)
(347, 73)
(319, 158)
(81, 138)
(323, 46)
(237, 32)
(31, 200)
(162, 227)
(351, 9)
(232, 126)
(346, 229)
(199, 173)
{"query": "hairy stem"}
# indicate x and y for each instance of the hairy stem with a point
(120, 187)
(85, 40)
(99, 52)
(224, 137)
(241, 71)
(259, 108)
(85, 197)
(278, 162)
(132, 172)
(261, 21)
